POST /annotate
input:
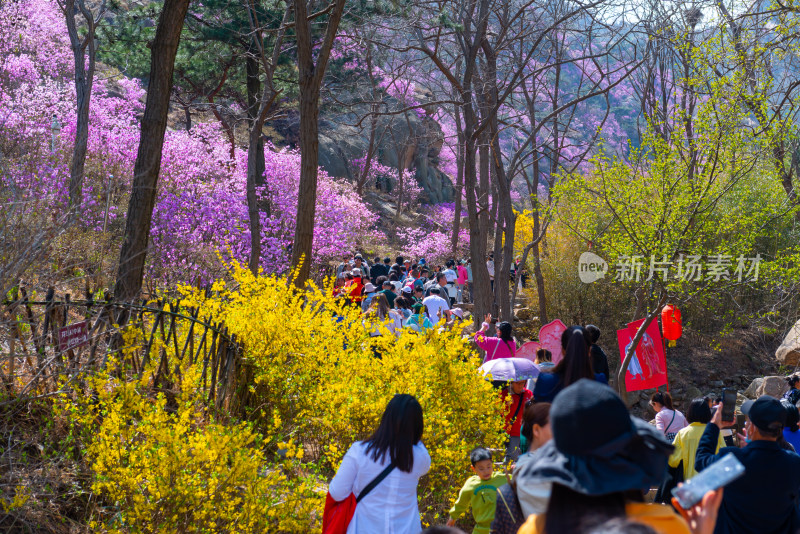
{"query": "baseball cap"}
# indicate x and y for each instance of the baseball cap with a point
(356, 272)
(765, 412)
(407, 289)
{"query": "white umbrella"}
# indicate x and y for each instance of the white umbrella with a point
(510, 369)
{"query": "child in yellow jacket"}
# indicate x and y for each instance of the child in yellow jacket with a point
(479, 492)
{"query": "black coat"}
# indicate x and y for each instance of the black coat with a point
(600, 361)
(377, 270)
(764, 499)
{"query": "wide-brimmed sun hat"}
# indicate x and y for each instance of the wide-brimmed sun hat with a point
(597, 446)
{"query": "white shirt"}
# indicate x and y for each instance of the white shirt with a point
(664, 417)
(450, 274)
(490, 266)
(436, 307)
(396, 324)
(391, 507)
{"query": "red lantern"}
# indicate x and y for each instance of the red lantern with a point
(671, 323)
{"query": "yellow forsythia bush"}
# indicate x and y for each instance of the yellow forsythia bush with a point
(173, 468)
(316, 380)
(313, 382)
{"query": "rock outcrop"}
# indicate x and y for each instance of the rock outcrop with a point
(774, 386)
(407, 140)
(789, 352)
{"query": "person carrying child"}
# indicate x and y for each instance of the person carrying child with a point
(479, 492)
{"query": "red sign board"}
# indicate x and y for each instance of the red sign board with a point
(73, 336)
(648, 366)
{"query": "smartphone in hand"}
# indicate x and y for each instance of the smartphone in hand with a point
(728, 405)
(715, 476)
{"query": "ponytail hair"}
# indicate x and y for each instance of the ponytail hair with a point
(576, 363)
(663, 398)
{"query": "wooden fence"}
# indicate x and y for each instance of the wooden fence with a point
(45, 345)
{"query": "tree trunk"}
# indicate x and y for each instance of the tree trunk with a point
(540, 289)
(623, 368)
(84, 79)
(310, 80)
(478, 216)
(255, 162)
(307, 194)
(459, 185)
(537, 257)
(148, 158)
(76, 168)
(362, 178)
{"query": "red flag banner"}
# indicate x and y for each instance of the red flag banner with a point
(648, 367)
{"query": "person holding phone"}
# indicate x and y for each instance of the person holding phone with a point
(763, 500)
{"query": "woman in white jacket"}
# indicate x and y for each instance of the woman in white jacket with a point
(391, 507)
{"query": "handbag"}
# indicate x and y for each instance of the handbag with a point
(338, 514)
(670, 435)
(673, 478)
(508, 518)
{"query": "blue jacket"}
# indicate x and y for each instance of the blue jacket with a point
(764, 499)
(548, 385)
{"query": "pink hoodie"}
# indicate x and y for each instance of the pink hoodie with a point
(495, 347)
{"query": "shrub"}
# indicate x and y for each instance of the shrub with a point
(316, 379)
(310, 386)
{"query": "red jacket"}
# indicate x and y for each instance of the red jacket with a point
(354, 290)
(511, 409)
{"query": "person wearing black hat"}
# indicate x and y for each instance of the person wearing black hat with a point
(764, 499)
(600, 462)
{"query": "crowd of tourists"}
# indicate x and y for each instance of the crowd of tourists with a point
(411, 294)
(576, 460)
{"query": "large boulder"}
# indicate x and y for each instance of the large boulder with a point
(774, 386)
(788, 353)
(408, 140)
(693, 393)
(752, 390)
